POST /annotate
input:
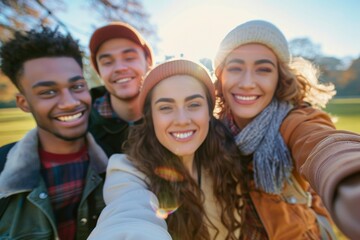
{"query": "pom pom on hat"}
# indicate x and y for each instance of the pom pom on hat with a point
(172, 68)
(256, 31)
(116, 30)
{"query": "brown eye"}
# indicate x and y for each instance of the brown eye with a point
(233, 69)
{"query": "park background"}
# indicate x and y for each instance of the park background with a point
(323, 31)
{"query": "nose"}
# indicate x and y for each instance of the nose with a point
(247, 80)
(120, 66)
(182, 117)
(68, 100)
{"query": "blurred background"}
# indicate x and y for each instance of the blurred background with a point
(323, 31)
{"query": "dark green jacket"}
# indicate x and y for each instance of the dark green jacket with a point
(108, 133)
(28, 213)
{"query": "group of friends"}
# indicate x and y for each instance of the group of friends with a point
(169, 150)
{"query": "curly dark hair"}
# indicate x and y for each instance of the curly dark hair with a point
(34, 44)
(218, 156)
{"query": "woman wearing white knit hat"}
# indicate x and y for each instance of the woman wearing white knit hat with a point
(268, 100)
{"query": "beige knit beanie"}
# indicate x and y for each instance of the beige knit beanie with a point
(172, 68)
(255, 31)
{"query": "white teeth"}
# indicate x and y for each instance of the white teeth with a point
(245, 98)
(123, 80)
(183, 135)
(70, 118)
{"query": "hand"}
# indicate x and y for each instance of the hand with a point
(346, 206)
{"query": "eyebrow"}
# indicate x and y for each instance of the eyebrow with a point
(171, 100)
(257, 62)
(52, 83)
(107, 55)
(261, 61)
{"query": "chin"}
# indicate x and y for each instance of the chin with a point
(73, 137)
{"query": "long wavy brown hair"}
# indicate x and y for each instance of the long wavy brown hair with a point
(298, 83)
(218, 155)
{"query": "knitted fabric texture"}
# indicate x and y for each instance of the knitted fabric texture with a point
(116, 30)
(256, 31)
(271, 158)
(172, 68)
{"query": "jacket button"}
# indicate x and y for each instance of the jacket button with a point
(94, 217)
(292, 200)
(83, 221)
(43, 195)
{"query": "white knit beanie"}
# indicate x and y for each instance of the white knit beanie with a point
(256, 31)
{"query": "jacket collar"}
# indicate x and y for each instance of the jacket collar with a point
(22, 167)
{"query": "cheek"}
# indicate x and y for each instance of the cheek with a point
(104, 72)
(141, 67)
(227, 82)
(203, 122)
(160, 132)
(158, 123)
(86, 97)
(271, 85)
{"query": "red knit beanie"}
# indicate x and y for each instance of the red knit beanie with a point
(172, 68)
(117, 30)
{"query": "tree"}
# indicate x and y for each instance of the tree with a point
(304, 47)
(26, 14)
(351, 79)
(330, 63)
(207, 63)
(7, 89)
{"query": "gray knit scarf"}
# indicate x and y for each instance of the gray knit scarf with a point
(271, 158)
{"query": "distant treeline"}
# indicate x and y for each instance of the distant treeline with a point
(347, 82)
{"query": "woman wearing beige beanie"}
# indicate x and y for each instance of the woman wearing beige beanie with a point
(182, 171)
(269, 101)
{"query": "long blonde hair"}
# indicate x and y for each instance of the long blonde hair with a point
(299, 82)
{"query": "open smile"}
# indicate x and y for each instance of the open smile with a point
(70, 118)
(123, 80)
(182, 135)
(245, 98)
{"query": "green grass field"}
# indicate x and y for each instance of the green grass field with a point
(345, 113)
(14, 123)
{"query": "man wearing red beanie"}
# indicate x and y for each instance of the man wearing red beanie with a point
(121, 57)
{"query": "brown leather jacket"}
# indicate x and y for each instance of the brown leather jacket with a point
(310, 136)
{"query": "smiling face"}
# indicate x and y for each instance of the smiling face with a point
(55, 92)
(180, 114)
(122, 65)
(249, 80)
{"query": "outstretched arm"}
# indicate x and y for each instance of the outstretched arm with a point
(346, 206)
(329, 159)
(129, 212)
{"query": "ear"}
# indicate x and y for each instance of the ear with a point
(22, 103)
(148, 66)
